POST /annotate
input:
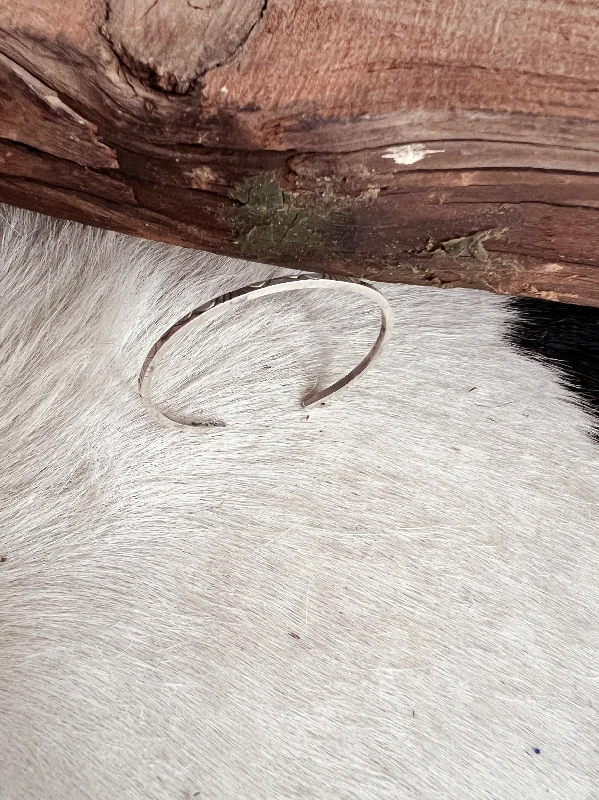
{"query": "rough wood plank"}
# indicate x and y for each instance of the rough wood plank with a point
(133, 220)
(369, 168)
(387, 138)
(502, 273)
(34, 114)
(463, 60)
(23, 162)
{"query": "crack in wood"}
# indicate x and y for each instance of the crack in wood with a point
(33, 114)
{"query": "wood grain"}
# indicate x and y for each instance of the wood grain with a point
(34, 114)
(170, 45)
(446, 142)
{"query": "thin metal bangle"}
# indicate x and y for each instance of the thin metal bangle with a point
(211, 309)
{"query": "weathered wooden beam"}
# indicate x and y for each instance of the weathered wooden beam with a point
(450, 143)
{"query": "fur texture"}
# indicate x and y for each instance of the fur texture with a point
(392, 596)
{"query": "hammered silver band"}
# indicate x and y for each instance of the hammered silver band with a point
(305, 280)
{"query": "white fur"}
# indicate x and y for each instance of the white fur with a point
(435, 549)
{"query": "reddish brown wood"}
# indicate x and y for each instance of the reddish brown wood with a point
(169, 45)
(446, 142)
(33, 114)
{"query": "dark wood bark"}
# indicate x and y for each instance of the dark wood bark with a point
(447, 142)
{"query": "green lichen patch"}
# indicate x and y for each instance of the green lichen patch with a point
(277, 224)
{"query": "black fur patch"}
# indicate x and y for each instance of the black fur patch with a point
(566, 338)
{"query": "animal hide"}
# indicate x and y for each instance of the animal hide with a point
(393, 595)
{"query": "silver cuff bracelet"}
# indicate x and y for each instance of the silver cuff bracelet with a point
(213, 308)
